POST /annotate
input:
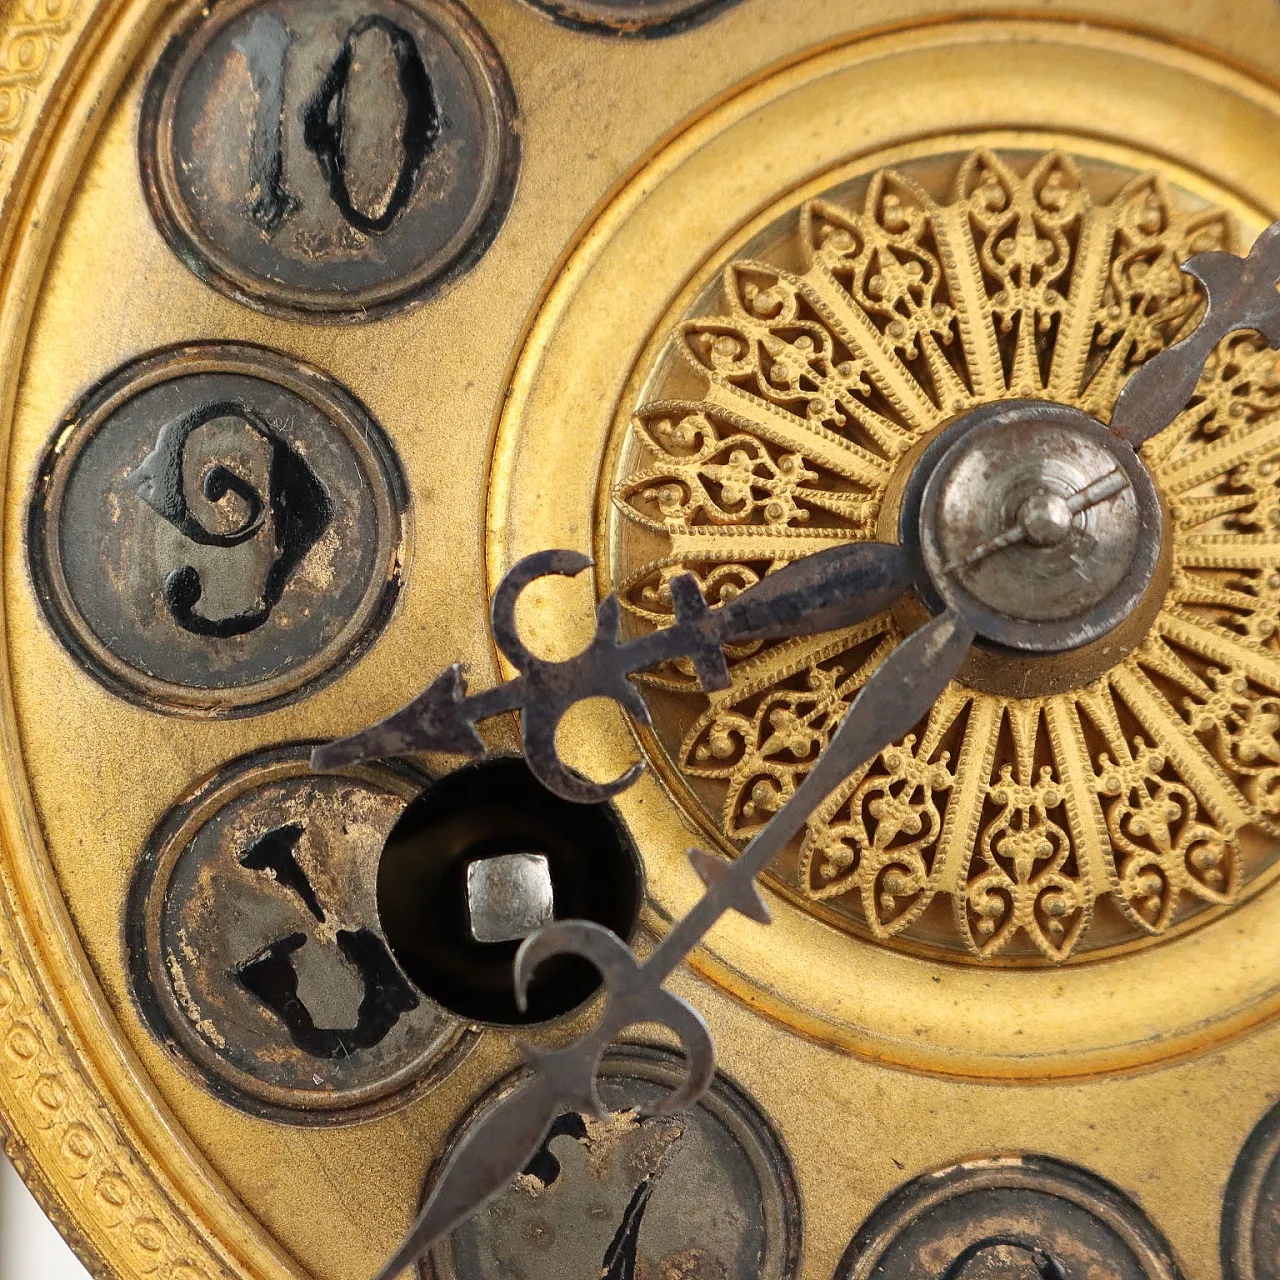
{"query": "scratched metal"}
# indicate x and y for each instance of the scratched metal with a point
(1008, 1218)
(217, 528)
(329, 159)
(1050, 594)
(707, 1195)
(255, 950)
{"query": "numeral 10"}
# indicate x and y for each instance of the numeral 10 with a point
(266, 47)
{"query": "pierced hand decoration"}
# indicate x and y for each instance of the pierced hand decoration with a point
(834, 588)
(498, 1149)
(1242, 295)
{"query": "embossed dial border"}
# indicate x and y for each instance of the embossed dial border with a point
(75, 1121)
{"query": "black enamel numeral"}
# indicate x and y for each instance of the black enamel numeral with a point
(620, 1257)
(271, 977)
(294, 512)
(327, 127)
(265, 47)
(325, 124)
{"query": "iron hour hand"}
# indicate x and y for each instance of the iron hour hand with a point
(1242, 295)
(834, 588)
(1044, 519)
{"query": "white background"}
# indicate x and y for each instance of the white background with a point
(30, 1247)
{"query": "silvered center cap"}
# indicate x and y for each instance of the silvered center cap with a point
(1037, 524)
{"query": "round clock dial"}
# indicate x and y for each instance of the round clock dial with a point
(320, 317)
(792, 346)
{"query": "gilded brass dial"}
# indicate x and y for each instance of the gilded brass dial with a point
(780, 418)
(647, 165)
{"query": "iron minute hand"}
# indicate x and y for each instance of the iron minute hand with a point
(501, 1145)
(834, 588)
(1242, 295)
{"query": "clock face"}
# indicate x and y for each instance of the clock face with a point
(319, 317)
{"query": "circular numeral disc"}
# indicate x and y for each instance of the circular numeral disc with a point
(633, 17)
(705, 1195)
(1007, 1216)
(218, 528)
(255, 947)
(1251, 1206)
(329, 159)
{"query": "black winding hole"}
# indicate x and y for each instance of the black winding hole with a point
(496, 807)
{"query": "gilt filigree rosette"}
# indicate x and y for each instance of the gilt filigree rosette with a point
(783, 412)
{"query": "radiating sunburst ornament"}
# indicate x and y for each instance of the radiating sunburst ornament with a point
(1108, 804)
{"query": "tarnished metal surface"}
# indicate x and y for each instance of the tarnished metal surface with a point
(1044, 593)
(707, 1195)
(1008, 1218)
(501, 1144)
(651, 166)
(332, 158)
(217, 527)
(1251, 1206)
(255, 948)
(632, 17)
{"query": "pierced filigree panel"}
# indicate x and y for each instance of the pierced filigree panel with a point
(777, 420)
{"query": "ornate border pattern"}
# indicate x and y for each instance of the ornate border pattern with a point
(1025, 811)
(76, 1129)
(30, 35)
(66, 1135)
(72, 1138)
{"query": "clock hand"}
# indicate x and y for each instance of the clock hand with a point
(1045, 519)
(833, 588)
(1242, 295)
(501, 1145)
